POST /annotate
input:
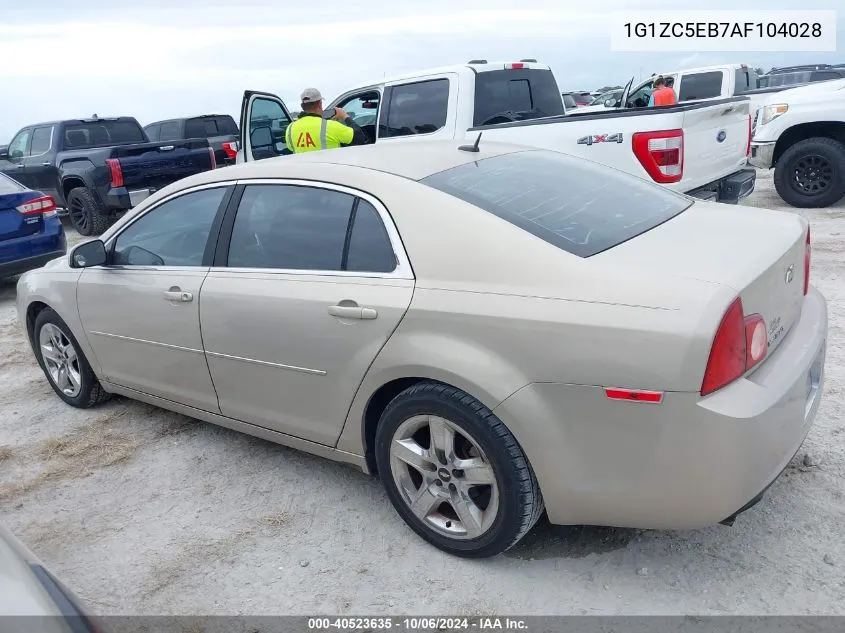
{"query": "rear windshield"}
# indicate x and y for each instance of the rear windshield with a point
(579, 206)
(204, 127)
(7, 185)
(526, 92)
(102, 134)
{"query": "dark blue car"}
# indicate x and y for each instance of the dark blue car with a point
(31, 233)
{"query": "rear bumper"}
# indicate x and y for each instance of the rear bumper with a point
(730, 189)
(685, 463)
(762, 155)
(32, 251)
(123, 199)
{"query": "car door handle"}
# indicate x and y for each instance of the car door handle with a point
(46, 163)
(352, 312)
(21, 166)
(175, 294)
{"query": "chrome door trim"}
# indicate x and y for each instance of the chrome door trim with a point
(265, 363)
(141, 340)
(403, 269)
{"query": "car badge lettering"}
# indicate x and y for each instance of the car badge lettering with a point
(601, 138)
(790, 274)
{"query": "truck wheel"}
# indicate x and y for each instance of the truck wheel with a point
(87, 214)
(454, 472)
(811, 173)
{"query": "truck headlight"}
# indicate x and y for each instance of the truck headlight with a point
(770, 112)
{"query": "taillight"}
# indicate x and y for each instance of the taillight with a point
(661, 154)
(229, 150)
(515, 66)
(741, 342)
(45, 205)
(807, 250)
(213, 158)
(748, 145)
(116, 172)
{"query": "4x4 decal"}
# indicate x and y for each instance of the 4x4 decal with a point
(600, 138)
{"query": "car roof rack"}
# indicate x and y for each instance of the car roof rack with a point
(530, 60)
(477, 61)
(787, 69)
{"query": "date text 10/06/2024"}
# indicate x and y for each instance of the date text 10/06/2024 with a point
(417, 624)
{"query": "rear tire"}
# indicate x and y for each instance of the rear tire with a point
(811, 173)
(60, 357)
(87, 214)
(433, 446)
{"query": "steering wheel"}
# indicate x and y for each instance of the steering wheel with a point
(503, 117)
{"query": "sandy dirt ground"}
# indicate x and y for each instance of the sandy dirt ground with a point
(142, 511)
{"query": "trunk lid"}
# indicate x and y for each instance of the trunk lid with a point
(756, 252)
(156, 165)
(715, 142)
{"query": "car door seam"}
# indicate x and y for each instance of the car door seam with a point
(202, 339)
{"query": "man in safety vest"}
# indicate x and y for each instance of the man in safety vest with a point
(312, 132)
(662, 95)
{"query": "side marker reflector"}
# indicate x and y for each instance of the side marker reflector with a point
(634, 395)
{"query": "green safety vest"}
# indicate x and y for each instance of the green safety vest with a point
(310, 133)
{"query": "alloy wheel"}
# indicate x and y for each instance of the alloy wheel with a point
(444, 477)
(61, 360)
(812, 175)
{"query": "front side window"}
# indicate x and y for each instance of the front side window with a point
(701, 86)
(152, 131)
(267, 125)
(578, 206)
(19, 147)
(174, 233)
(416, 108)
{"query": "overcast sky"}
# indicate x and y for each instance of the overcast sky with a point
(154, 59)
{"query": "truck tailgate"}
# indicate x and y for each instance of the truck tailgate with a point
(715, 143)
(156, 165)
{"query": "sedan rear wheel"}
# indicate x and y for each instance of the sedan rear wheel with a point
(454, 472)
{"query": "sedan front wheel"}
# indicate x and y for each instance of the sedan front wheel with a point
(454, 472)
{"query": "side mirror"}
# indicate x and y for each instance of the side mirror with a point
(261, 137)
(89, 254)
(4, 152)
(610, 103)
(16, 154)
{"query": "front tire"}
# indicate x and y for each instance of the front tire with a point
(811, 173)
(87, 214)
(454, 472)
(67, 370)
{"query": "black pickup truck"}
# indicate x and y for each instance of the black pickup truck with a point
(99, 168)
(220, 130)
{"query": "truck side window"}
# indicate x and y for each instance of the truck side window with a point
(701, 86)
(152, 131)
(19, 147)
(415, 108)
(42, 138)
(169, 131)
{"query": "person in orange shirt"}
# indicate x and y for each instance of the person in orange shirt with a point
(662, 95)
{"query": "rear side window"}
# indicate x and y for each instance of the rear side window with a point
(169, 131)
(818, 75)
(745, 79)
(415, 108)
(203, 127)
(41, 141)
(103, 133)
(701, 86)
(530, 93)
(369, 245)
(578, 206)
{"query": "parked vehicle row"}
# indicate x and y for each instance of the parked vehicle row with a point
(220, 130)
(698, 148)
(98, 168)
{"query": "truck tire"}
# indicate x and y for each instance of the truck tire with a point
(87, 214)
(474, 499)
(811, 173)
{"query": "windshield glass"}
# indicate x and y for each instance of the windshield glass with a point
(579, 206)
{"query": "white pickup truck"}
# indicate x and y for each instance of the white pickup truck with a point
(801, 133)
(700, 149)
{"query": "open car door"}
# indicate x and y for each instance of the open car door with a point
(623, 100)
(264, 120)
